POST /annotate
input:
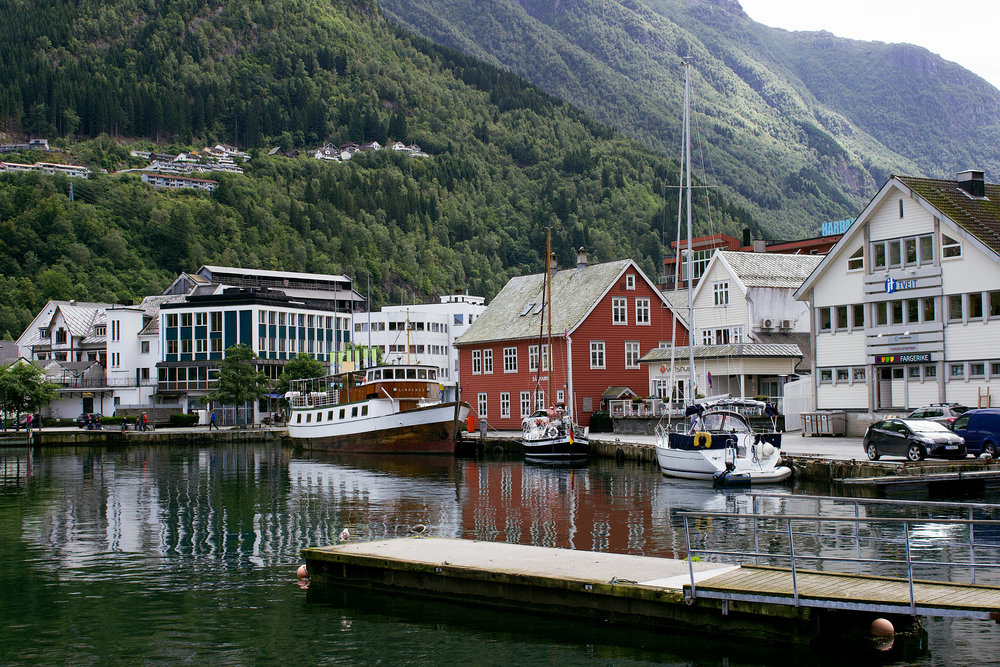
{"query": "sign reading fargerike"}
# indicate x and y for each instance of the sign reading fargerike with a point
(915, 358)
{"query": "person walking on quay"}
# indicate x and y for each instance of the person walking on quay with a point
(211, 422)
(145, 422)
(27, 422)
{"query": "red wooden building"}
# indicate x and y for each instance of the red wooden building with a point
(604, 318)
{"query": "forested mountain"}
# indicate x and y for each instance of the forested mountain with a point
(798, 127)
(506, 159)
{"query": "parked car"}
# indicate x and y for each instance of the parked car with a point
(915, 439)
(981, 430)
(84, 418)
(944, 413)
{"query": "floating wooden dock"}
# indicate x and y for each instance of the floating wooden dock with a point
(752, 602)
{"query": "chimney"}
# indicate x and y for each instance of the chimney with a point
(553, 265)
(760, 245)
(581, 258)
(973, 182)
(746, 236)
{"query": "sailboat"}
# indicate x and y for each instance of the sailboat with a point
(551, 434)
(719, 445)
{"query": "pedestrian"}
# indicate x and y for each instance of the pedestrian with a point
(28, 422)
(211, 422)
(145, 422)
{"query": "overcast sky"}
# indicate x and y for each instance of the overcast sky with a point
(965, 33)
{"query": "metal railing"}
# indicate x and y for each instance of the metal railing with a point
(98, 382)
(771, 526)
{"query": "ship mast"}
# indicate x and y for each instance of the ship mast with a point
(690, 257)
(548, 308)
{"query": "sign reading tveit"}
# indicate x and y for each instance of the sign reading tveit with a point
(916, 357)
(891, 284)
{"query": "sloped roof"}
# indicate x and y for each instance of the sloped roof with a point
(980, 216)
(720, 351)
(678, 300)
(574, 293)
(764, 269)
(150, 306)
(798, 338)
(618, 392)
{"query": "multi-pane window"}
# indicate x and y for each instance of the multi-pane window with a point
(630, 281)
(841, 317)
(477, 362)
(720, 293)
(532, 358)
(186, 346)
(597, 354)
(856, 261)
(950, 247)
(642, 310)
(216, 345)
(525, 403)
(200, 319)
(201, 345)
(706, 337)
(631, 354)
(619, 310)
(504, 404)
(185, 319)
(545, 357)
(510, 360)
(215, 321)
(487, 361)
(482, 405)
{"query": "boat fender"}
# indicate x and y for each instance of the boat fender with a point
(768, 450)
(552, 432)
(703, 439)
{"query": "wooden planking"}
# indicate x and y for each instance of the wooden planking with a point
(854, 588)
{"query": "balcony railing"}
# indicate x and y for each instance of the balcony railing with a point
(101, 382)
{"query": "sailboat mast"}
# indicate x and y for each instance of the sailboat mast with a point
(690, 254)
(548, 308)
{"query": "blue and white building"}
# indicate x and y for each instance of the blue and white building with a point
(906, 306)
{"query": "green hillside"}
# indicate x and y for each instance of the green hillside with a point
(506, 160)
(799, 128)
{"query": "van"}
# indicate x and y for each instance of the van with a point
(981, 430)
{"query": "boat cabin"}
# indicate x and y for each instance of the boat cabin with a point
(410, 385)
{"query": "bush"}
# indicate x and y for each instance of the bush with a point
(181, 419)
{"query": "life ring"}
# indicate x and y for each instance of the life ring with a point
(703, 439)
(552, 431)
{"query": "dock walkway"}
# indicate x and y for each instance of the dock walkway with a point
(753, 601)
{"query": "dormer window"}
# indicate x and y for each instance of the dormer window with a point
(99, 331)
(61, 337)
(527, 309)
(44, 332)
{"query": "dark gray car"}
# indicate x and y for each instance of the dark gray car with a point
(914, 439)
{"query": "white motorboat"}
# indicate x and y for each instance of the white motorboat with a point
(552, 436)
(720, 446)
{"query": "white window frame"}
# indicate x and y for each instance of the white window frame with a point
(510, 360)
(481, 404)
(632, 354)
(477, 362)
(720, 293)
(505, 405)
(533, 358)
(642, 316)
(598, 358)
(525, 404)
(488, 362)
(619, 310)
(630, 281)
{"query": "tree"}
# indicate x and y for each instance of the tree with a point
(24, 389)
(239, 380)
(299, 367)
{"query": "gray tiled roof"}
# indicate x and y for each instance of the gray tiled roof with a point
(151, 307)
(721, 351)
(575, 291)
(762, 269)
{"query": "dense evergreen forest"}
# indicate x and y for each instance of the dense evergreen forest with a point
(507, 160)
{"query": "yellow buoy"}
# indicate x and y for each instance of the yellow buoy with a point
(703, 439)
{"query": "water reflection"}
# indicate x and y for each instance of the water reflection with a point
(169, 554)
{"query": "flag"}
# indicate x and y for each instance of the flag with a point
(710, 378)
(571, 434)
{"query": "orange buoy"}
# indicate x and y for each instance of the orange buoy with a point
(882, 627)
(471, 424)
(303, 572)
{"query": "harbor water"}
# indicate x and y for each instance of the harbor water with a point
(188, 555)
